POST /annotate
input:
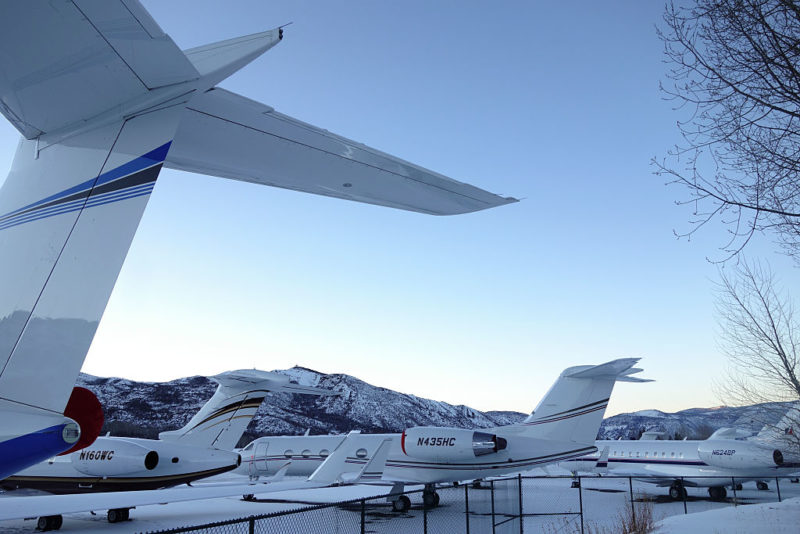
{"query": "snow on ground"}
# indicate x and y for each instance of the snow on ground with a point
(775, 518)
(602, 500)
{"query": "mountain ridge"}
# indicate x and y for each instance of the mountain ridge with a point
(143, 409)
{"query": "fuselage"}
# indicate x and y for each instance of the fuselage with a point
(705, 463)
(122, 464)
(265, 456)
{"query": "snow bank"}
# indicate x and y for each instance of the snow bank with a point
(775, 518)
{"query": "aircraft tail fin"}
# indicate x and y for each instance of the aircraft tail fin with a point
(573, 408)
(787, 429)
(222, 420)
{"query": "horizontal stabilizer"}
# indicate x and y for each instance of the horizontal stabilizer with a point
(63, 63)
(254, 379)
(227, 135)
(617, 369)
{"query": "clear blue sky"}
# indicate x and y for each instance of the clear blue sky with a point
(554, 103)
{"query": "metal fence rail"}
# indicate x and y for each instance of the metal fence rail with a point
(506, 506)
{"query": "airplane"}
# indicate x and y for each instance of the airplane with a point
(336, 470)
(564, 425)
(201, 449)
(715, 463)
(103, 99)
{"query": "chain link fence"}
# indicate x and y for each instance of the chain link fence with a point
(514, 505)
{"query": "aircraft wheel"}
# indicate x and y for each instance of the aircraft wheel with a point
(477, 484)
(677, 492)
(249, 497)
(738, 487)
(576, 484)
(49, 522)
(402, 504)
(430, 499)
(116, 515)
(717, 493)
(762, 485)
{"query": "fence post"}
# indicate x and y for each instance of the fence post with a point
(466, 505)
(492, 489)
(519, 486)
(778, 487)
(363, 517)
(683, 496)
(252, 525)
(424, 518)
(580, 499)
(733, 485)
(633, 509)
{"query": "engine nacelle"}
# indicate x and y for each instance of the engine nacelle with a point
(442, 443)
(738, 454)
(114, 457)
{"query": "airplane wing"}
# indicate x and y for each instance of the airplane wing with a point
(227, 135)
(44, 505)
(68, 61)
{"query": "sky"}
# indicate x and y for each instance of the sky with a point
(557, 104)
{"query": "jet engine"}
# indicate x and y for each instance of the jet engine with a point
(442, 443)
(738, 454)
(84, 408)
(107, 457)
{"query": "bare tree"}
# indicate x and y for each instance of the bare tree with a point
(735, 68)
(761, 337)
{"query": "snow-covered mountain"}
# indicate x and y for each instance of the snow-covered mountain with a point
(695, 423)
(144, 409)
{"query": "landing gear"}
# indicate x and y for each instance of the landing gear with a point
(477, 484)
(762, 486)
(430, 499)
(677, 491)
(116, 515)
(49, 522)
(401, 504)
(576, 483)
(248, 497)
(738, 487)
(717, 493)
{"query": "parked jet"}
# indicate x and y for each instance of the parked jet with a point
(715, 463)
(336, 470)
(202, 448)
(103, 98)
(564, 425)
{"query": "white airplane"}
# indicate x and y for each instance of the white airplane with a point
(202, 448)
(335, 471)
(103, 98)
(715, 463)
(564, 425)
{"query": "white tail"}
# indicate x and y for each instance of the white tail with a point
(573, 408)
(222, 420)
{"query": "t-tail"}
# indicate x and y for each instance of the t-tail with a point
(221, 422)
(573, 408)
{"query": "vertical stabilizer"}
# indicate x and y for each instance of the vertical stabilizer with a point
(573, 408)
(68, 214)
(222, 420)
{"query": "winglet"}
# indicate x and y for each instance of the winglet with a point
(601, 467)
(373, 470)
